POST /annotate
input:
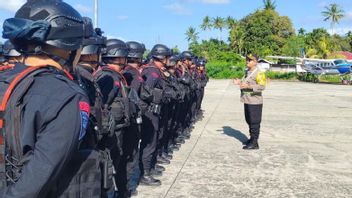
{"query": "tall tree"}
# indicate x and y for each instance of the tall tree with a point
(265, 32)
(230, 22)
(301, 32)
(207, 24)
(219, 23)
(192, 35)
(269, 4)
(334, 14)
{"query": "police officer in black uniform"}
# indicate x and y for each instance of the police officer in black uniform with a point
(100, 118)
(175, 97)
(132, 137)
(186, 79)
(153, 79)
(114, 87)
(203, 79)
(40, 154)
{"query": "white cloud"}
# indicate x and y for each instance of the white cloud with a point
(341, 30)
(11, 5)
(348, 16)
(215, 1)
(178, 8)
(122, 17)
(83, 9)
(109, 36)
(206, 1)
(322, 4)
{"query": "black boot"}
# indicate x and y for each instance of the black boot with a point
(245, 143)
(133, 192)
(156, 173)
(159, 168)
(161, 160)
(148, 180)
(180, 140)
(253, 145)
(174, 147)
(187, 136)
(166, 156)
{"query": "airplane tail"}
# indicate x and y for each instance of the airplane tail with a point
(303, 55)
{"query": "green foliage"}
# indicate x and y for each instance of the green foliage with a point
(281, 75)
(320, 44)
(176, 50)
(330, 79)
(293, 46)
(192, 34)
(206, 25)
(335, 79)
(224, 70)
(264, 32)
(269, 4)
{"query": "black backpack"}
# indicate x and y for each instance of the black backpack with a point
(82, 177)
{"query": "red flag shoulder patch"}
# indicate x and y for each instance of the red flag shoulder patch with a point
(155, 75)
(84, 106)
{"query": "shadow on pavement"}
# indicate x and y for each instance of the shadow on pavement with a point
(235, 133)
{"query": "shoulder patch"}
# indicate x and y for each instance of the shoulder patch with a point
(118, 84)
(84, 114)
(155, 75)
(261, 78)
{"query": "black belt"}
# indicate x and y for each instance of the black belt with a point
(251, 93)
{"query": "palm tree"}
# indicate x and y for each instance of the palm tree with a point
(206, 25)
(301, 32)
(334, 14)
(219, 23)
(191, 34)
(231, 22)
(269, 4)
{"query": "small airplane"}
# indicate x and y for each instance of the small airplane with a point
(320, 66)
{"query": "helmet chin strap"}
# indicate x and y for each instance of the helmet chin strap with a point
(66, 64)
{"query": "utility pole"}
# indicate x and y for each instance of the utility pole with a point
(96, 13)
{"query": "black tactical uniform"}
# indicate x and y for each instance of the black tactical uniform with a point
(43, 158)
(189, 86)
(150, 131)
(203, 79)
(132, 137)
(171, 97)
(115, 98)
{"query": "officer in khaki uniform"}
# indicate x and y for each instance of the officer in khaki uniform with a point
(252, 85)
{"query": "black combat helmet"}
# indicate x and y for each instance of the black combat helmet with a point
(160, 51)
(136, 50)
(96, 42)
(186, 55)
(44, 26)
(173, 61)
(9, 50)
(115, 48)
(201, 62)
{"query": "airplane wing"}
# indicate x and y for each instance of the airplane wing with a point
(301, 59)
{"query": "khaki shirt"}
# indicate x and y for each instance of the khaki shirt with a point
(257, 80)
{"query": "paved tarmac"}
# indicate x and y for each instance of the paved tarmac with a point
(306, 146)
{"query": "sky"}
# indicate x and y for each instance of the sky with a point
(166, 21)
